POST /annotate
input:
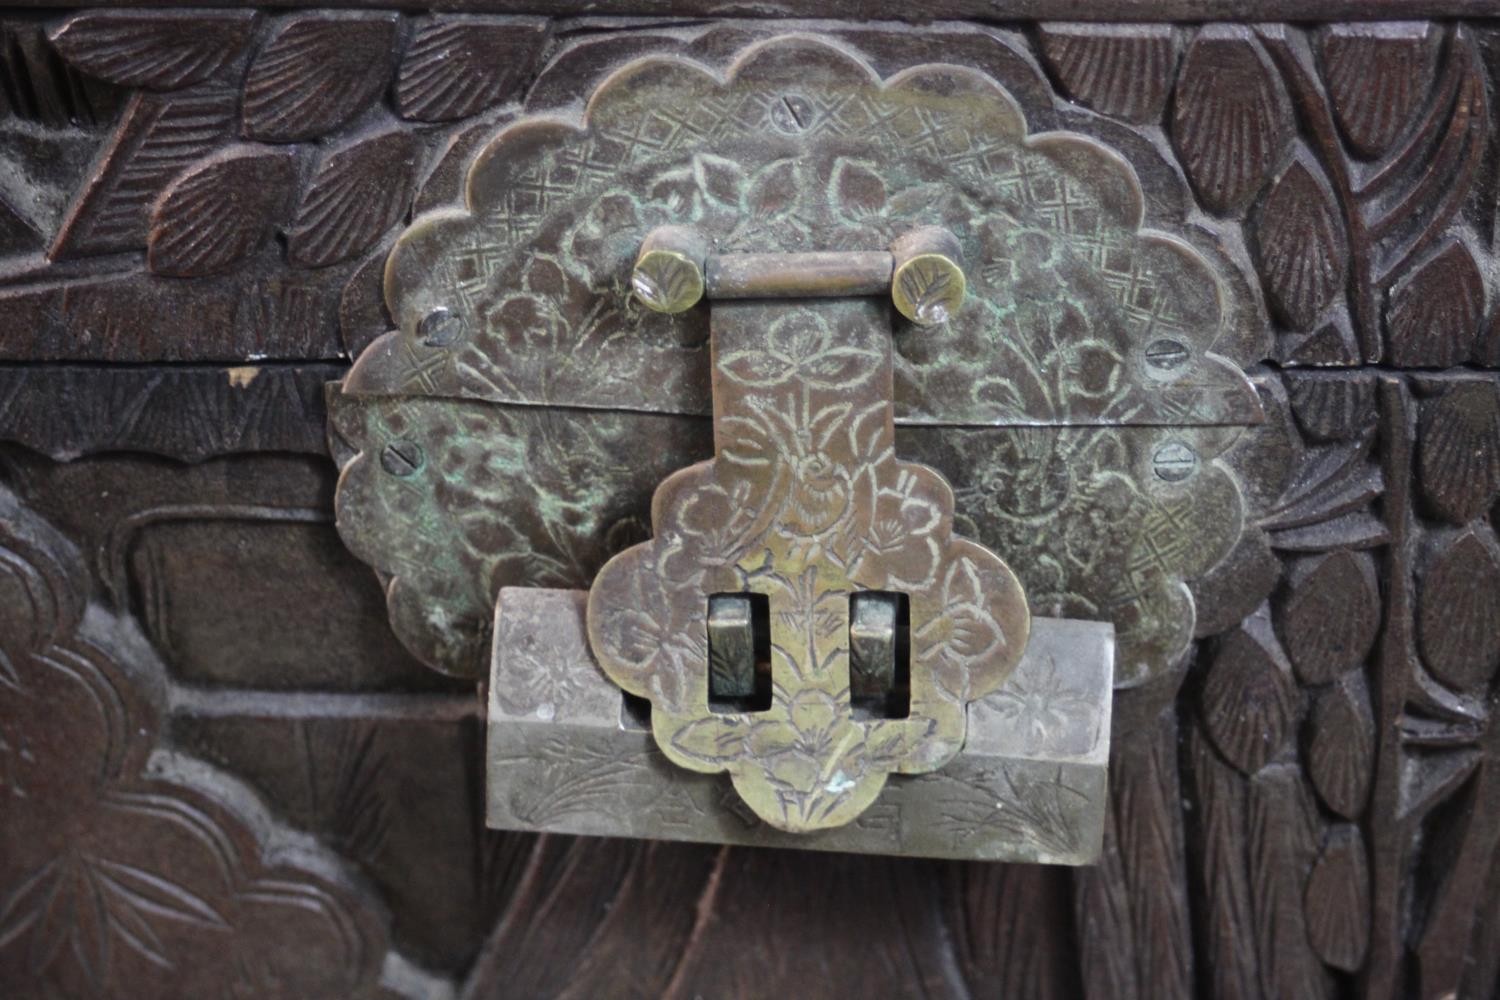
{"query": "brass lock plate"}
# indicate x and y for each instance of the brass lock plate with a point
(566, 753)
(1078, 404)
(508, 431)
(807, 507)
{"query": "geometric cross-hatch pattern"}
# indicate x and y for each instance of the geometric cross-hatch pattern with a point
(1078, 317)
(1076, 402)
(806, 503)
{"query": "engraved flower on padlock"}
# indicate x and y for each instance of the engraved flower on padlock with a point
(901, 540)
(806, 446)
(806, 352)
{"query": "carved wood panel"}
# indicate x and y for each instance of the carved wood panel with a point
(223, 775)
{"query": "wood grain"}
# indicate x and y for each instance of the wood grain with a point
(195, 214)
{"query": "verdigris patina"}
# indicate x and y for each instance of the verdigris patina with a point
(1076, 404)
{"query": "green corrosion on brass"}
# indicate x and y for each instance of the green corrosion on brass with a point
(807, 506)
(1070, 366)
(668, 272)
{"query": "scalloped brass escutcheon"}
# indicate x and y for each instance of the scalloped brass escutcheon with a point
(677, 269)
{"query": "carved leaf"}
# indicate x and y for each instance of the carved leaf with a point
(44, 90)
(1330, 615)
(1283, 842)
(316, 73)
(121, 881)
(1332, 408)
(1231, 120)
(1355, 530)
(1459, 610)
(153, 50)
(1341, 750)
(1248, 697)
(357, 192)
(457, 66)
(1331, 345)
(1434, 312)
(1136, 893)
(1000, 942)
(1300, 246)
(1230, 958)
(1459, 453)
(1337, 902)
(1377, 75)
(219, 212)
(157, 138)
(1325, 500)
(1124, 71)
(1421, 187)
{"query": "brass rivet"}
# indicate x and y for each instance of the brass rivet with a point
(668, 274)
(928, 283)
(928, 289)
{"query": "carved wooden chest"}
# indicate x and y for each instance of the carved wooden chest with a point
(675, 498)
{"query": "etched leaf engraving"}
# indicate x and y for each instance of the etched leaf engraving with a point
(1078, 320)
(807, 504)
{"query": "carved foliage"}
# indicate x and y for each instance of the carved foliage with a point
(1124, 71)
(1459, 450)
(121, 869)
(316, 73)
(1435, 310)
(220, 211)
(1341, 746)
(1248, 699)
(1332, 408)
(1338, 900)
(152, 49)
(1231, 120)
(1377, 76)
(457, 66)
(158, 136)
(1300, 247)
(1458, 609)
(1329, 615)
(356, 193)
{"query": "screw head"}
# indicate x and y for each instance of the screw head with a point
(791, 113)
(401, 458)
(1174, 461)
(1165, 355)
(440, 328)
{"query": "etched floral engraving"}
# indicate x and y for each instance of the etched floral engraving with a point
(1086, 333)
(806, 503)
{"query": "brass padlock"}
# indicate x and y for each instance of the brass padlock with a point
(686, 272)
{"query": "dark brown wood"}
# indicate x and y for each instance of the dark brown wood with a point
(978, 10)
(222, 771)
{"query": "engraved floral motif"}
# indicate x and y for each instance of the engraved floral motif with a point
(806, 448)
(1081, 321)
(1052, 225)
